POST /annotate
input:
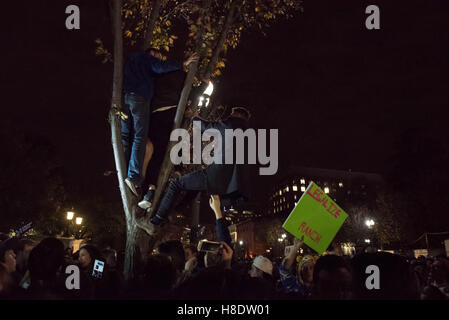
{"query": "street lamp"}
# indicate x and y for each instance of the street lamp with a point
(241, 242)
(205, 97)
(367, 240)
(369, 223)
(284, 236)
(70, 215)
(79, 220)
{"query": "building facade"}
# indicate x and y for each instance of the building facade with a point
(342, 186)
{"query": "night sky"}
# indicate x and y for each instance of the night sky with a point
(339, 94)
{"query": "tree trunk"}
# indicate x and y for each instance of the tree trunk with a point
(129, 203)
(156, 7)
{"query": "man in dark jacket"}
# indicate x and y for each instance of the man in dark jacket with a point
(167, 93)
(138, 87)
(217, 178)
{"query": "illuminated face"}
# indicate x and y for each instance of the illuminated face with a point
(10, 261)
(255, 273)
(84, 258)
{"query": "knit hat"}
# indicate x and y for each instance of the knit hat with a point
(263, 264)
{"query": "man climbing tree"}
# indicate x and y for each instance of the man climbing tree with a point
(138, 85)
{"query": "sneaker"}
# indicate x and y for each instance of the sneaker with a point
(132, 186)
(144, 204)
(146, 226)
(147, 200)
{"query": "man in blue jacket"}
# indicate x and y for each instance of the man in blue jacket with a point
(139, 74)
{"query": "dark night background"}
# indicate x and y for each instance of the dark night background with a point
(340, 95)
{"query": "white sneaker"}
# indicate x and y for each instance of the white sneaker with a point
(144, 204)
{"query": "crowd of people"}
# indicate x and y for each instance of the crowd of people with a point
(30, 270)
(38, 271)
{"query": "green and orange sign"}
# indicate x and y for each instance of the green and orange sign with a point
(316, 217)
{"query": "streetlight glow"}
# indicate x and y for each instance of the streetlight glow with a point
(284, 236)
(367, 240)
(326, 190)
(79, 220)
(241, 242)
(70, 215)
(369, 223)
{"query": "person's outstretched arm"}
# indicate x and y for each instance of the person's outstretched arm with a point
(159, 66)
(222, 230)
(292, 255)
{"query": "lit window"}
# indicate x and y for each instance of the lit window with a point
(326, 190)
(295, 197)
(340, 184)
(303, 181)
(286, 189)
(303, 188)
(280, 192)
(295, 188)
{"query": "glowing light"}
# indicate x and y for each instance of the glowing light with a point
(78, 220)
(70, 215)
(303, 188)
(241, 242)
(326, 190)
(369, 223)
(367, 240)
(295, 187)
(209, 89)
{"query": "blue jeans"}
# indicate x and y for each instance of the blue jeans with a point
(135, 134)
(195, 181)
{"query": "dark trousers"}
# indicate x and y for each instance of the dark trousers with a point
(161, 125)
(195, 181)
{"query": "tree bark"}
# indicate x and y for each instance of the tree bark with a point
(156, 7)
(129, 203)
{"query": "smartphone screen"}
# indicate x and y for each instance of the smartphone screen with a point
(98, 269)
(210, 246)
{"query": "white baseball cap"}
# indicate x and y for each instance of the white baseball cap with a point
(263, 264)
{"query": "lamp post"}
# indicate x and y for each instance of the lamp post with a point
(69, 217)
(370, 223)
